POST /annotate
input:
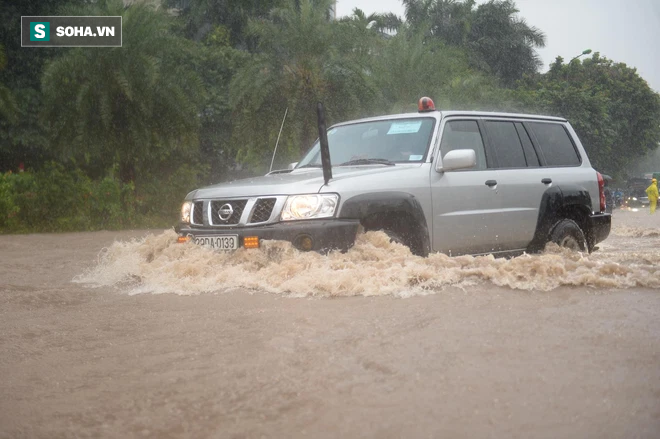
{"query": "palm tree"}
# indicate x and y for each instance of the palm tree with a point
(409, 67)
(502, 43)
(448, 20)
(387, 22)
(505, 42)
(297, 64)
(125, 106)
(201, 16)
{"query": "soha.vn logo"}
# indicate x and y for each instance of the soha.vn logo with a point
(40, 31)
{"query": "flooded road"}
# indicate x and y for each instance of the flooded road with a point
(111, 334)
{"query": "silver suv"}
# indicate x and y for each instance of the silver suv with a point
(456, 182)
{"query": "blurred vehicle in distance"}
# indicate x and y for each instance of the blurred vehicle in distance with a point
(636, 198)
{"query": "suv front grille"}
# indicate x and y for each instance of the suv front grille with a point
(232, 212)
(262, 210)
(198, 212)
(225, 212)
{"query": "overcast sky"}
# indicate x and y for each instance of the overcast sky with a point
(622, 30)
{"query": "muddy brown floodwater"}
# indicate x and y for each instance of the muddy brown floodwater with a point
(125, 334)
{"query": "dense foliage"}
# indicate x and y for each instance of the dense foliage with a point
(611, 107)
(115, 137)
(64, 198)
(296, 65)
(497, 40)
(132, 106)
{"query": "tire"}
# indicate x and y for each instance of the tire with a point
(398, 229)
(566, 233)
(396, 237)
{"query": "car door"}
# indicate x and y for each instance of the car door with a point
(521, 181)
(560, 159)
(466, 203)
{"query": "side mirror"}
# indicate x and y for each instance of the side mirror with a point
(292, 165)
(457, 159)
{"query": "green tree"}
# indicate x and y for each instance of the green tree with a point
(200, 17)
(360, 38)
(505, 42)
(22, 138)
(297, 64)
(8, 107)
(613, 110)
(502, 43)
(379, 22)
(408, 67)
(128, 106)
(477, 91)
(215, 61)
(448, 20)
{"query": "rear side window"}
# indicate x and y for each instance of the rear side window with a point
(507, 144)
(530, 153)
(556, 145)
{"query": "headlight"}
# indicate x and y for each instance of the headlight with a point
(309, 206)
(185, 212)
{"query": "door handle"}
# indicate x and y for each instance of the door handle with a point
(491, 183)
(546, 181)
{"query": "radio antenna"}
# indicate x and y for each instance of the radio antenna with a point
(278, 139)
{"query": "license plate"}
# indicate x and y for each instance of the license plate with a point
(223, 242)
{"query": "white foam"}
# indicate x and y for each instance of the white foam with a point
(374, 266)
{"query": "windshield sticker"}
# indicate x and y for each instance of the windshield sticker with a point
(415, 157)
(405, 127)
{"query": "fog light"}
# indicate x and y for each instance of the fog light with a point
(182, 239)
(251, 242)
(304, 243)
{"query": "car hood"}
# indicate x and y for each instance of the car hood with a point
(299, 181)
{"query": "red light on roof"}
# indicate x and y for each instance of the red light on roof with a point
(425, 104)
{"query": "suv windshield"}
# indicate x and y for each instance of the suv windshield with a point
(379, 142)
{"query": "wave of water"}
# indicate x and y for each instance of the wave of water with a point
(374, 266)
(635, 232)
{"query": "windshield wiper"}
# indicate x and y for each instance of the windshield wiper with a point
(374, 161)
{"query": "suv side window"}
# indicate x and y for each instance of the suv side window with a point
(530, 152)
(464, 134)
(555, 144)
(506, 143)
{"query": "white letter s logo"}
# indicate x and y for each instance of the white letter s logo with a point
(39, 31)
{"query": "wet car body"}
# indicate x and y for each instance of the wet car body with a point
(435, 181)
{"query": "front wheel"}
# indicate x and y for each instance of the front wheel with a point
(566, 233)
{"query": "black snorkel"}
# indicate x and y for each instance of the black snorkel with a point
(323, 141)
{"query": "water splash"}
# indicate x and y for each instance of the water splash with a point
(374, 266)
(635, 232)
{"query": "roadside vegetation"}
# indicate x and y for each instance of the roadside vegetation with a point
(109, 138)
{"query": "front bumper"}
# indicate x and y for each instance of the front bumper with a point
(598, 229)
(330, 234)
